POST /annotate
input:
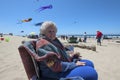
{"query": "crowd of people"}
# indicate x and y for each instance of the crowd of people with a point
(98, 36)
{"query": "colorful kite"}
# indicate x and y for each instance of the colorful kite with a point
(45, 7)
(25, 20)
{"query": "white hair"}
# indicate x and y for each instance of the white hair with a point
(45, 25)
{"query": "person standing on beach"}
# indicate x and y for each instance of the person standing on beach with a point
(98, 37)
(85, 37)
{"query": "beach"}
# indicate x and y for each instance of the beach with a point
(105, 58)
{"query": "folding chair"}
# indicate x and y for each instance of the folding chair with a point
(31, 65)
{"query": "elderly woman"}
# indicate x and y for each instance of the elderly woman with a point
(58, 63)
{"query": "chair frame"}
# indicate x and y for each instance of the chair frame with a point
(28, 62)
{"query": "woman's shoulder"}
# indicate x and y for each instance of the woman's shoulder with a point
(41, 42)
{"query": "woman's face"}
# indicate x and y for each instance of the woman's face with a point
(51, 33)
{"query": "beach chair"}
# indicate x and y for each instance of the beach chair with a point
(29, 63)
(31, 66)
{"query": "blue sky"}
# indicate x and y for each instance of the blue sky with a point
(70, 16)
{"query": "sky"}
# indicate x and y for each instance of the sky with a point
(70, 16)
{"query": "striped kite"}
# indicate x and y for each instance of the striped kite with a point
(25, 20)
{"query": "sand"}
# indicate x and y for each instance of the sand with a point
(106, 58)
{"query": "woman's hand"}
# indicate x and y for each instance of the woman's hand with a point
(50, 56)
(71, 53)
(37, 58)
(78, 63)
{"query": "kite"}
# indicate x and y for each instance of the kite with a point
(38, 24)
(25, 20)
(22, 31)
(45, 7)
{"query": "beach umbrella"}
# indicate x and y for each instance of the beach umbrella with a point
(7, 39)
(2, 39)
(32, 33)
